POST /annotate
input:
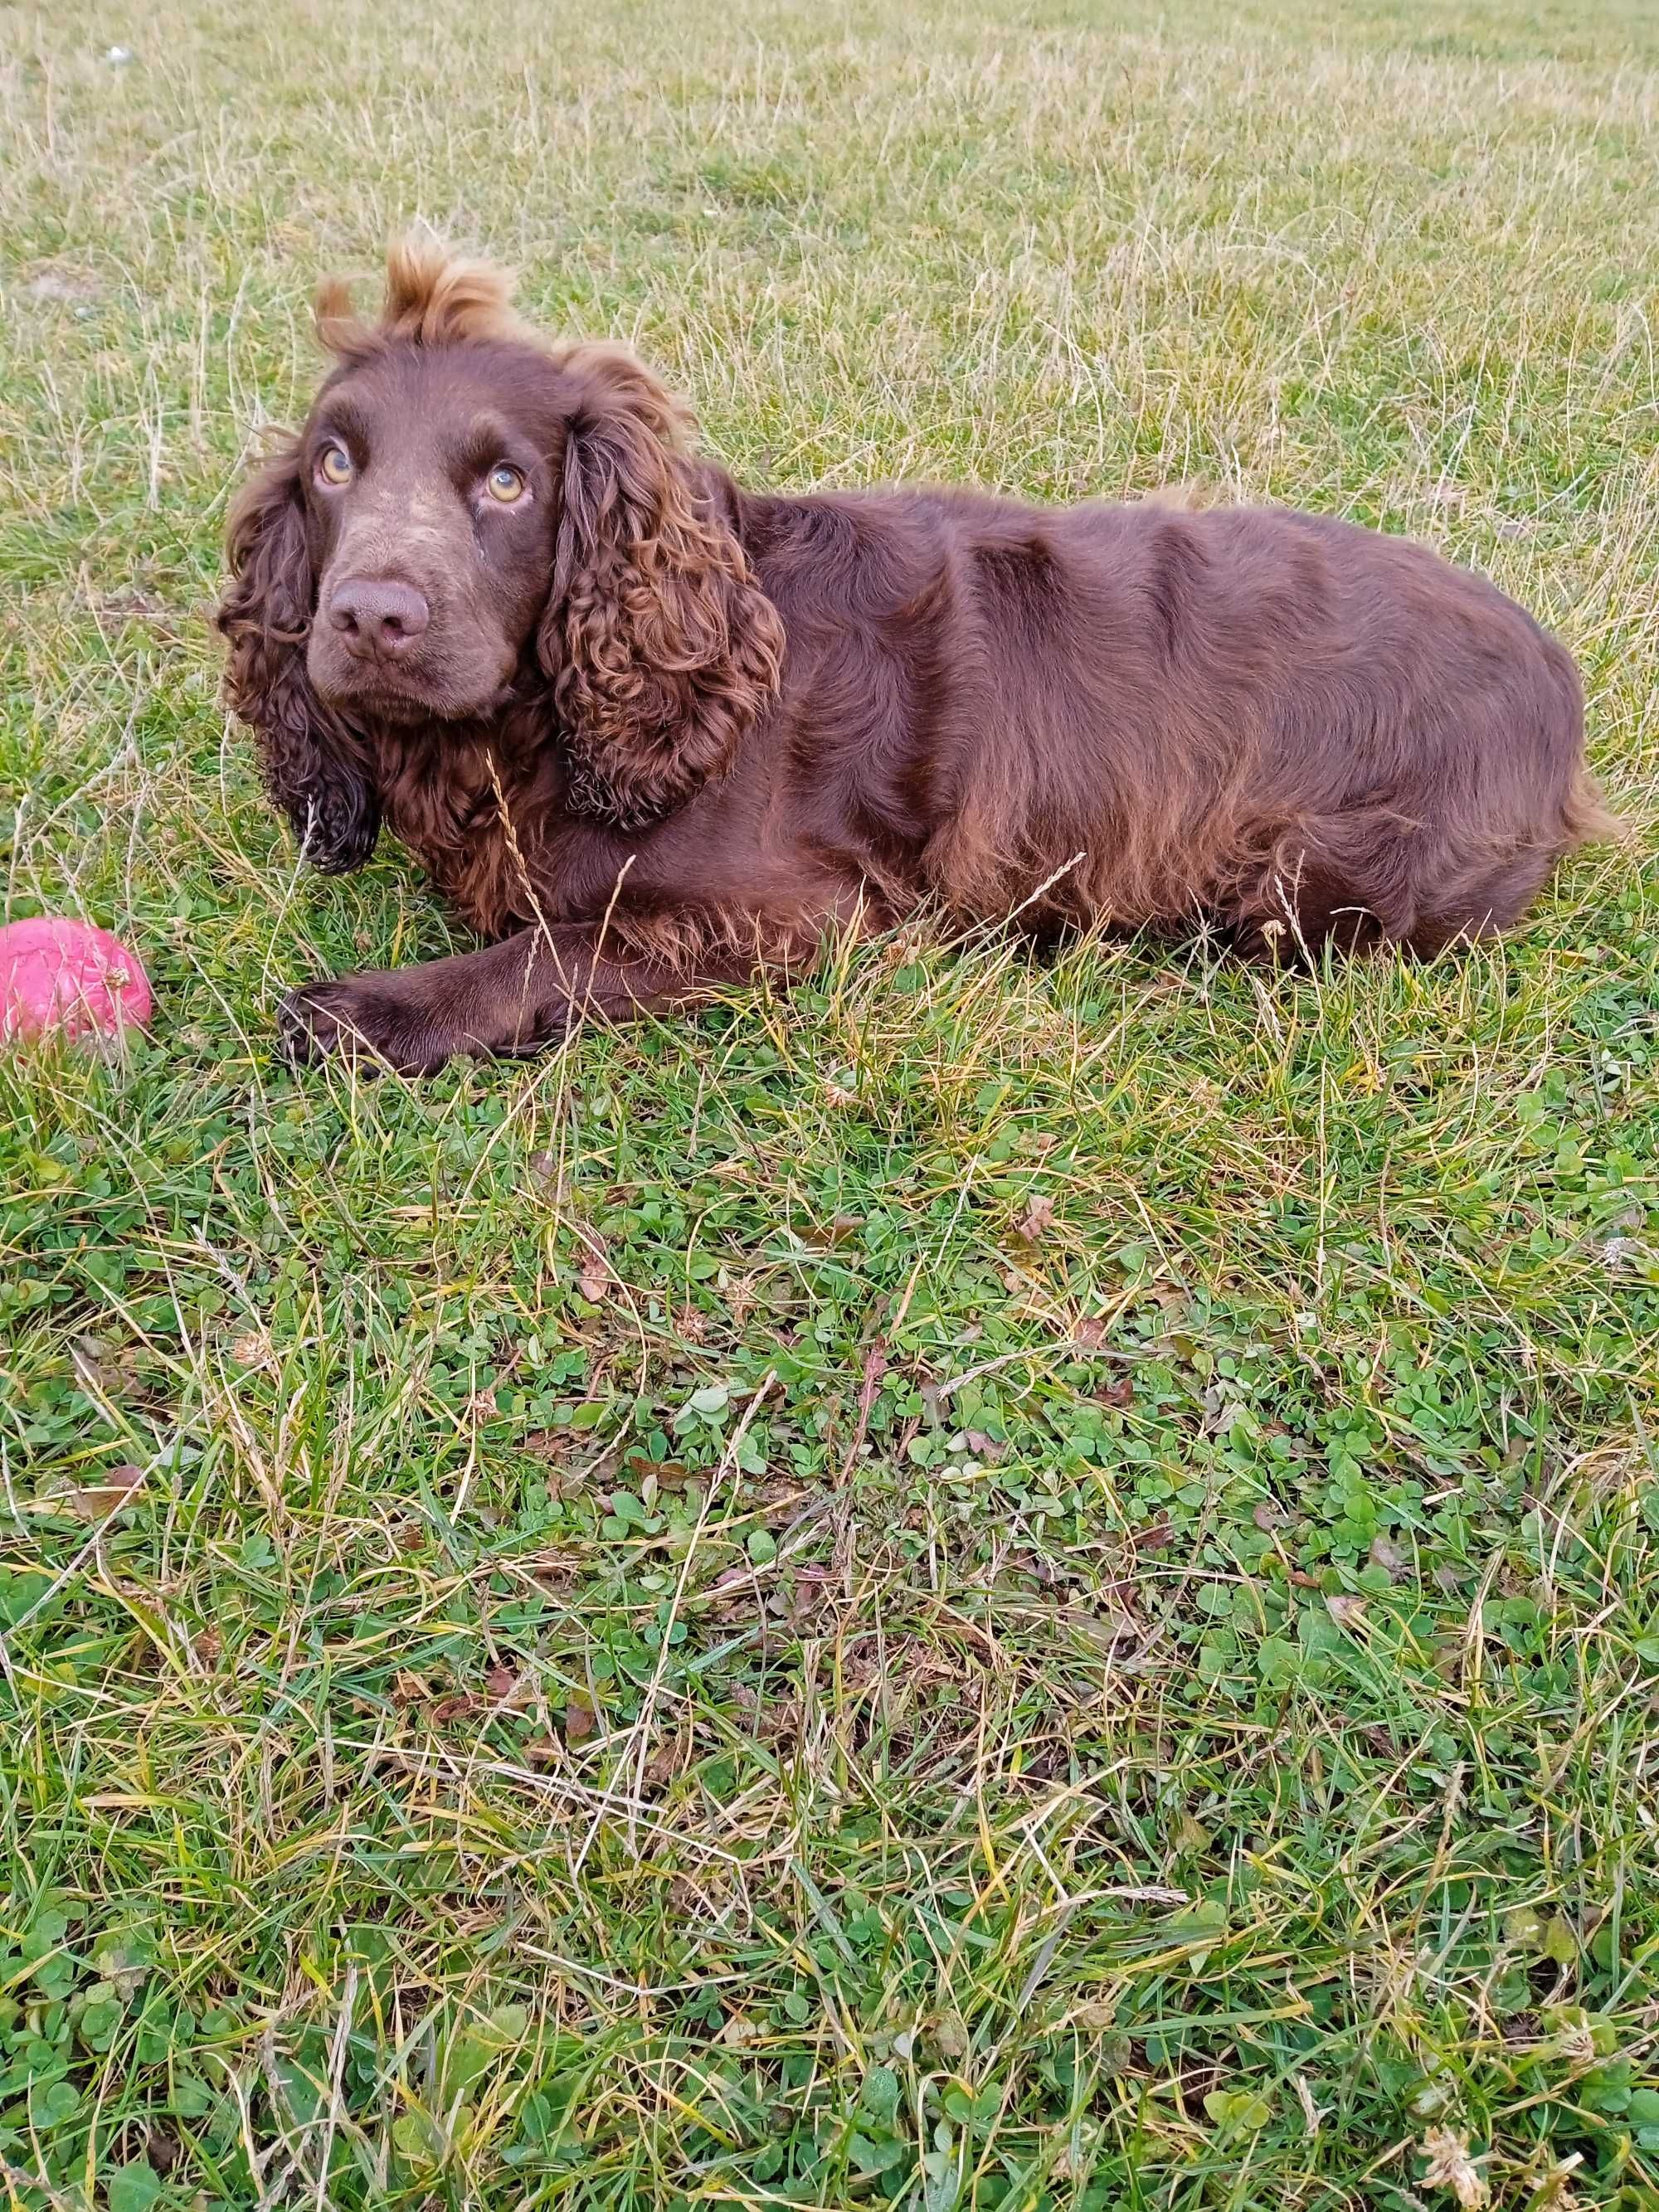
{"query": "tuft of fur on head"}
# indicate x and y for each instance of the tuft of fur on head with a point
(432, 297)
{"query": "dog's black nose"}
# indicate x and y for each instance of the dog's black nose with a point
(376, 618)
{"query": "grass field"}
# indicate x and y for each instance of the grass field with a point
(1002, 1586)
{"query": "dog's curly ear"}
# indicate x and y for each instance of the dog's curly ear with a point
(308, 760)
(661, 647)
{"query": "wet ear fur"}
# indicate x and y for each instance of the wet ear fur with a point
(311, 765)
(662, 646)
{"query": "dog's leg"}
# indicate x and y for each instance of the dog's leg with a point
(513, 997)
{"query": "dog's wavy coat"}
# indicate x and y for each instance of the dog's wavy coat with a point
(649, 730)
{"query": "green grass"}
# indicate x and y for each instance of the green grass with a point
(1002, 1586)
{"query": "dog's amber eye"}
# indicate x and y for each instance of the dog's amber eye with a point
(505, 482)
(334, 465)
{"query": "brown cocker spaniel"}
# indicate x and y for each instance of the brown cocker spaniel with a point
(650, 730)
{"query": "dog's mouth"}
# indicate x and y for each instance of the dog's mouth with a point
(380, 699)
(384, 693)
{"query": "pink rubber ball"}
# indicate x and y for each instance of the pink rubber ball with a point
(58, 975)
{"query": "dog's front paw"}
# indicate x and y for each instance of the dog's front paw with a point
(365, 1017)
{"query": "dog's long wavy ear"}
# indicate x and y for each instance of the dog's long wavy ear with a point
(662, 647)
(307, 760)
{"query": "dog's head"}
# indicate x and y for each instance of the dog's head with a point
(470, 517)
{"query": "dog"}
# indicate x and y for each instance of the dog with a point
(651, 733)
